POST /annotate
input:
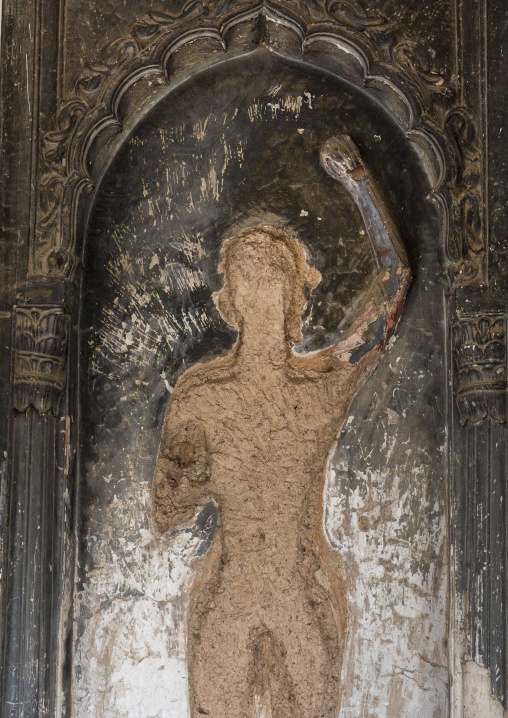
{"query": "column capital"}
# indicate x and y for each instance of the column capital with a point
(41, 336)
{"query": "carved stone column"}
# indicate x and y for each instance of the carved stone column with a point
(481, 391)
(32, 582)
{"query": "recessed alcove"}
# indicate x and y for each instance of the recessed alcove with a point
(237, 146)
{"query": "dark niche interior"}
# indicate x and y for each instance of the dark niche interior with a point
(235, 147)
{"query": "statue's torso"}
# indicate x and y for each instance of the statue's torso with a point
(268, 439)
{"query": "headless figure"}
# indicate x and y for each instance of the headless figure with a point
(252, 431)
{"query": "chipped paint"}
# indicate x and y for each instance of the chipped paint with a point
(395, 653)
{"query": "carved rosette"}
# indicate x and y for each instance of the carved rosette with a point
(480, 357)
(41, 338)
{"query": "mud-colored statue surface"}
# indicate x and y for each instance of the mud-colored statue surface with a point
(252, 431)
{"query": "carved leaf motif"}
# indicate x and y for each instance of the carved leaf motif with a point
(466, 194)
(471, 223)
(416, 59)
(56, 142)
(463, 133)
(480, 358)
(55, 192)
(52, 190)
(153, 22)
(112, 56)
(464, 271)
(350, 12)
(40, 345)
(469, 234)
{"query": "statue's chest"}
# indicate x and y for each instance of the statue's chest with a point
(274, 422)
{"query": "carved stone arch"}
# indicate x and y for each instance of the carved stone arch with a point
(133, 73)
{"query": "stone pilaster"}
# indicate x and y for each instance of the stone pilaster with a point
(34, 548)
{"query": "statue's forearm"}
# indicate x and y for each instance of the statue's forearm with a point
(390, 257)
(380, 228)
(378, 316)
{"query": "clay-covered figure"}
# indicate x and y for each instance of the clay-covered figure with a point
(252, 432)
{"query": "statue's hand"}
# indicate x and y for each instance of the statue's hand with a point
(181, 473)
(184, 455)
(341, 160)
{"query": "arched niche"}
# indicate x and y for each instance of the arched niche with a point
(236, 145)
(135, 72)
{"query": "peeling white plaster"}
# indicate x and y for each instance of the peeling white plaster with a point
(395, 664)
(478, 702)
(132, 656)
(132, 653)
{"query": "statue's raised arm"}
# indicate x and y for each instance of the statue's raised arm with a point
(378, 315)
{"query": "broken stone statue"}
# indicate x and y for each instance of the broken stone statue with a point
(246, 439)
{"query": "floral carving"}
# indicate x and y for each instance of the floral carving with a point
(480, 357)
(468, 235)
(41, 337)
(463, 133)
(57, 142)
(112, 56)
(353, 14)
(417, 61)
(153, 23)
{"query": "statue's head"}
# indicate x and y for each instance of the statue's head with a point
(264, 265)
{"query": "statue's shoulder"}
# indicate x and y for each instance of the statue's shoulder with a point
(205, 373)
(320, 365)
(311, 365)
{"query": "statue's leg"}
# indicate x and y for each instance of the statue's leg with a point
(310, 655)
(220, 658)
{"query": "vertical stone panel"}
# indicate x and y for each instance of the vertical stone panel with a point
(481, 391)
(32, 578)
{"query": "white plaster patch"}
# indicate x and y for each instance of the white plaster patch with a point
(132, 653)
(395, 663)
(279, 105)
(478, 702)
